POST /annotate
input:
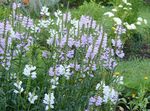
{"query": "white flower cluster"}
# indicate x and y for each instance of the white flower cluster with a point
(130, 26)
(65, 71)
(32, 97)
(13, 76)
(44, 23)
(118, 21)
(34, 29)
(18, 86)
(54, 82)
(109, 94)
(49, 101)
(140, 20)
(126, 2)
(44, 11)
(29, 71)
(109, 14)
(58, 13)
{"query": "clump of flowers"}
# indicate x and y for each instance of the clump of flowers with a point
(49, 101)
(29, 71)
(32, 97)
(64, 52)
(105, 95)
(19, 88)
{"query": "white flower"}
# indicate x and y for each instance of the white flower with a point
(117, 20)
(18, 86)
(32, 97)
(34, 29)
(114, 10)
(120, 80)
(145, 21)
(138, 23)
(131, 26)
(125, 8)
(58, 13)
(54, 82)
(75, 23)
(65, 71)
(29, 71)
(109, 14)
(130, 8)
(44, 11)
(109, 94)
(120, 6)
(140, 19)
(13, 76)
(44, 23)
(98, 86)
(113, 96)
(49, 100)
(125, 1)
(129, 4)
(14, 6)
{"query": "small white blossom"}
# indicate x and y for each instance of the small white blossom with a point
(35, 29)
(109, 94)
(44, 23)
(140, 19)
(130, 8)
(129, 4)
(44, 11)
(54, 82)
(109, 14)
(120, 6)
(98, 86)
(117, 20)
(18, 86)
(125, 1)
(114, 10)
(125, 8)
(13, 76)
(145, 21)
(138, 23)
(32, 97)
(29, 71)
(49, 101)
(75, 23)
(58, 13)
(130, 26)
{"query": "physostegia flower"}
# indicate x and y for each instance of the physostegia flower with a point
(49, 100)
(32, 97)
(29, 71)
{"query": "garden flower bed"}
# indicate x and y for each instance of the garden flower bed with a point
(60, 62)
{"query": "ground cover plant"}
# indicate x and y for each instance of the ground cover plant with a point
(62, 62)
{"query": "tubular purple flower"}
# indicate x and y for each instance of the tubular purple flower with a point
(70, 54)
(99, 101)
(51, 71)
(92, 100)
(104, 43)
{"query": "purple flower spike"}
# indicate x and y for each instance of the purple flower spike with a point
(70, 54)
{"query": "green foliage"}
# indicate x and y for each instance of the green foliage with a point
(135, 72)
(4, 12)
(77, 3)
(91, 9)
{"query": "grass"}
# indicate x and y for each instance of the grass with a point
(136, 73)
